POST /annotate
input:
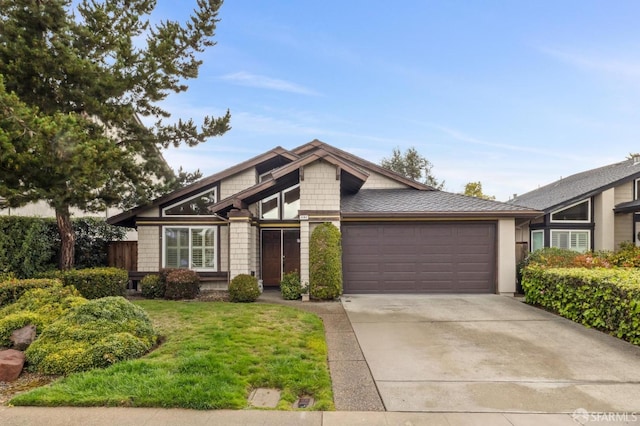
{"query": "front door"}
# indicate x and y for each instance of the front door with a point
(280, 254)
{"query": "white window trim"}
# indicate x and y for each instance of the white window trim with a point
(199, 194)
(570, 231)
(636, 183)
(215, 245)
(278, 199)
(588, 201)
(537, 231)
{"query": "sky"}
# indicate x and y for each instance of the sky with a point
(514, 94)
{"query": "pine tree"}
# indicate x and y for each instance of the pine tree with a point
(80, 74)
(413, 166)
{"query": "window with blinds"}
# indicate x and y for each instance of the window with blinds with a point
(571, 240)
(190, 247)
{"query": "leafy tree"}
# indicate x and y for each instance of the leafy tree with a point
(413, 166)
(77, 76)
(474, 189)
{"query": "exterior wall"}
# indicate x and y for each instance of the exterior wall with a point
(305, 234)
(240, 246)
(378, 181)
(624, 193)
(624, 228)
(237, 183)
(604, 219)
(148, 248)
(320, 190)
(506, 257)
(254, 251)
(154, 212)
(224, 248)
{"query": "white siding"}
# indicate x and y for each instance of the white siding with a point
(378, 181)
(237, 183)
(148, 248)
(320, 190)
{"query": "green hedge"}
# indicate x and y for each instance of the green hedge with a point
(606, 299)
(94, 283)
(30, 245)
(290, 286)
(325, 262)
(11, 290)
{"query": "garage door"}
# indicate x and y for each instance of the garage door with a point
(456, 257)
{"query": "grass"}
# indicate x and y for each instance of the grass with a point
(213, 355)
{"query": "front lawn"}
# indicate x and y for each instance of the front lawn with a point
(212, 356)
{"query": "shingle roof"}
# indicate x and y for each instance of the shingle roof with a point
(411, 201)
(579, 186)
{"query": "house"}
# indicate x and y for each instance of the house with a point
(592, 210)
(398, 235)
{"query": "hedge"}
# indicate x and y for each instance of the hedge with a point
(606, 299)
(94, 283)
(11, 290)
(30, 245)
(325, 262)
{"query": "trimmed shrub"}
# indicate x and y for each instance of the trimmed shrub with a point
(39, 307)
(290, 286)
(10, 291)
(95, 283)
(152, 287)
(96, 334)
(325, 262)
(606, 299)
(182, 284)
(244, 288)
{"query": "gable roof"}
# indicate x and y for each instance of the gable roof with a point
(361, 162)
(277, 156)
(579, 186)
(409, 202)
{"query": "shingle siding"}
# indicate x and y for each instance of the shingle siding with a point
(378, 181)
(237, 183)
(148, 248)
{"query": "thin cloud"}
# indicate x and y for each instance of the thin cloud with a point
(243, 78)
(619, 68)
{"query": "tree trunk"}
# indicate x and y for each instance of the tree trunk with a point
(67, 238)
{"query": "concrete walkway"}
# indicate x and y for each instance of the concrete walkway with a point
(489, 353)
(67, 416)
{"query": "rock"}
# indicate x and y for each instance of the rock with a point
(11, 363)
(23, 337)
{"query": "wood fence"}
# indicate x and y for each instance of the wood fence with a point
(123, 254)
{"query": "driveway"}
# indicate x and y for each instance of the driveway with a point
(489, 353)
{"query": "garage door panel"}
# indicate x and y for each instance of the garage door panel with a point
(450, 257)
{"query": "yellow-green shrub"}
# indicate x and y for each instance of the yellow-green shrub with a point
(93, 335)
(94, 283)
(11, 290)
(244, 288)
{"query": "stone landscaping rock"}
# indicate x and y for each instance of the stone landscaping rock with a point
(23, 337)
(11, 363)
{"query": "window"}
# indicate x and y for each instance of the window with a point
(283, 205)
(196, 205)
(190, 247)
(572, 240)
(637, 189)
(537, 240)
(579, 212)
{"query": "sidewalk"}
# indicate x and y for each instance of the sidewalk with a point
(68, 416)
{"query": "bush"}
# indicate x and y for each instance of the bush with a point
(606, 299)
(244, 288)
(39, 307)
(96, 334)
(290, 286)
(627, 256)
(10, 291)
(95, 283)
(152, 287)
(325, 262)
(182, 284)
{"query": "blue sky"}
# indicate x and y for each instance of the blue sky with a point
(513, 94)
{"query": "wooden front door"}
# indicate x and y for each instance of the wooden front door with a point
(280, 254)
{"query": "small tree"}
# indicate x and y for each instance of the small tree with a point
(474, 189)
(325, 262)
(413, 166)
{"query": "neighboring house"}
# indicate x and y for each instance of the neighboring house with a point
(398, 235)
(593, 210)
